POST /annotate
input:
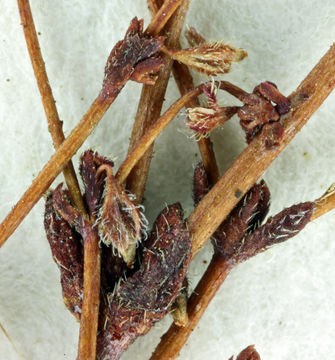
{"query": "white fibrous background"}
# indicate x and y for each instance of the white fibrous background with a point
(282, 300)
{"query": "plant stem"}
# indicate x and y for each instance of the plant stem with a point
(154, 6)
(151, 134)
(162, 16)
(91, 300)
(324, 204)
(54, 124)
(239, 178)
(150, 105)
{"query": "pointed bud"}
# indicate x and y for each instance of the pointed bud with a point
(203, 120)
(120, 222)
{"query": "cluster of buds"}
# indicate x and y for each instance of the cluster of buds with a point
(138, 291)
(133, 298)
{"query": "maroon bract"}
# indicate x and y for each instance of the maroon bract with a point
(246, 216)
(281, 227)
(67, 252)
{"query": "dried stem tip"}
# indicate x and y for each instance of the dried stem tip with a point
(209, 58)
(203, 120)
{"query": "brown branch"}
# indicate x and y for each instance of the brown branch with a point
(162, 16)
(219, 268)
(90, 307)
(150, 105)
(154, 6)
(54, 124)
(239, 178)
(91, 300)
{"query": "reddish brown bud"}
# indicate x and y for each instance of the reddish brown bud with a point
(94, 186)
(129, 53)
(248, 353)
(259, 110)
(246, 216)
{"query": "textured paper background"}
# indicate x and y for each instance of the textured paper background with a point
(283, 300)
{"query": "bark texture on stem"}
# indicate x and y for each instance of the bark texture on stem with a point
(54, 123)
(150, 105)
(90, 307)
(325, 203)
(239, 178)
(162, 16)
